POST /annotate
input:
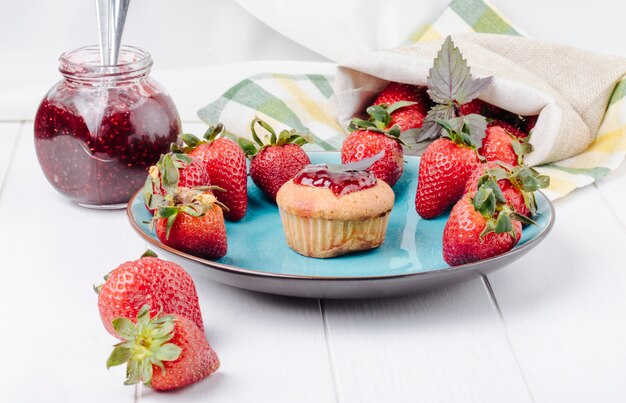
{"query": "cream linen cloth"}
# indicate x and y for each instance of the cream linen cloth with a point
(568, 88)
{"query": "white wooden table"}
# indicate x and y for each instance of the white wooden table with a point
(549, 328)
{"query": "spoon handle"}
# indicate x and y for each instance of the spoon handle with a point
(103, 10)
(120, 9)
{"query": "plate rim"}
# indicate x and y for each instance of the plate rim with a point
(255, 273)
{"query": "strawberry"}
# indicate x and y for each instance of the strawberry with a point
(173, 170)
(517, 184)
(411, 116)
(225, 163)
(502, 142)
(273, 164)
(474, 231)
(481, 107)
(377, 134)
(163, 351)
(149, 280)
(444, 168)
(192, 221)
(529, 123)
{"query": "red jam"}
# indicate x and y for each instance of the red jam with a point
(340, 183)
(95, 141)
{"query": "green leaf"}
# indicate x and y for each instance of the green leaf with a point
(358, 124)
(146, 372)
(119, 356)
(163, 329)
(476, 126)
(168, 352)
(449, 80)
(484, 201)
(124, 328)
(490, 226)
(503, 224)
(143, 316)
(169, 174)
(149, 253)
(213, 132)
(398, 105)
(283, 137)
(430, 129)
(248, 147)
(379, 116)
(191, 140)
(543, 181)
(264, 125)
(133, 372)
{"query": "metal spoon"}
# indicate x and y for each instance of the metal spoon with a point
(111, 20)
(120, 9)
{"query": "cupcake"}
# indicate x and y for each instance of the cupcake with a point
(329, 211)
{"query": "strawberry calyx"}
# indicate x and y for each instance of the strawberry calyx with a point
(283, 138)
(191, 141)
(165, 175)
(524, 178)
(459, 132)
(380, 120)
(490, 202)
(145, 343)
(195, 202)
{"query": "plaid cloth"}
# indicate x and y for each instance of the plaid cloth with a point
(300, 102)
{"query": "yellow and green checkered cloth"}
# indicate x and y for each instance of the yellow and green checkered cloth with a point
(300, 102)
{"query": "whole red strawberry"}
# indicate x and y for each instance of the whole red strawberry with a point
(173, 170)
(164, 351)
(149, 280)
(273, 164)
(445, 167)
(225, 163)
(193, 222)
(470, 235)
(504, 143)
(408, 117)
(517, 184)
(377, 134)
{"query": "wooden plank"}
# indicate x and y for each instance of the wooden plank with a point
(272, 349)
(564, 303)
(9, 133)
(269, 346)
(613, 191)
(52, 253)
(443, 346)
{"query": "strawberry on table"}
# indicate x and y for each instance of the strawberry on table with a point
(149, 280)
(163, 351)
(445, 167)
(370, 137)
(411, 116)
(225, 163)
(192, 221)
(273, 164)
(173, 170)
(504, 143)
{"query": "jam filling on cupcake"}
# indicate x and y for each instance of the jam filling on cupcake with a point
(340, 183)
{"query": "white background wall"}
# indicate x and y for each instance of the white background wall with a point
(196, 33)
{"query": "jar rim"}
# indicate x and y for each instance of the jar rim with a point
(85, 63)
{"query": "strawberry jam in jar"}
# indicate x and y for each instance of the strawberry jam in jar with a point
(99, 129)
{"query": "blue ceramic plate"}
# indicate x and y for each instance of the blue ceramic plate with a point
(410, 259)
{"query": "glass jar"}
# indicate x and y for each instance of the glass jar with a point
(99, 129)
